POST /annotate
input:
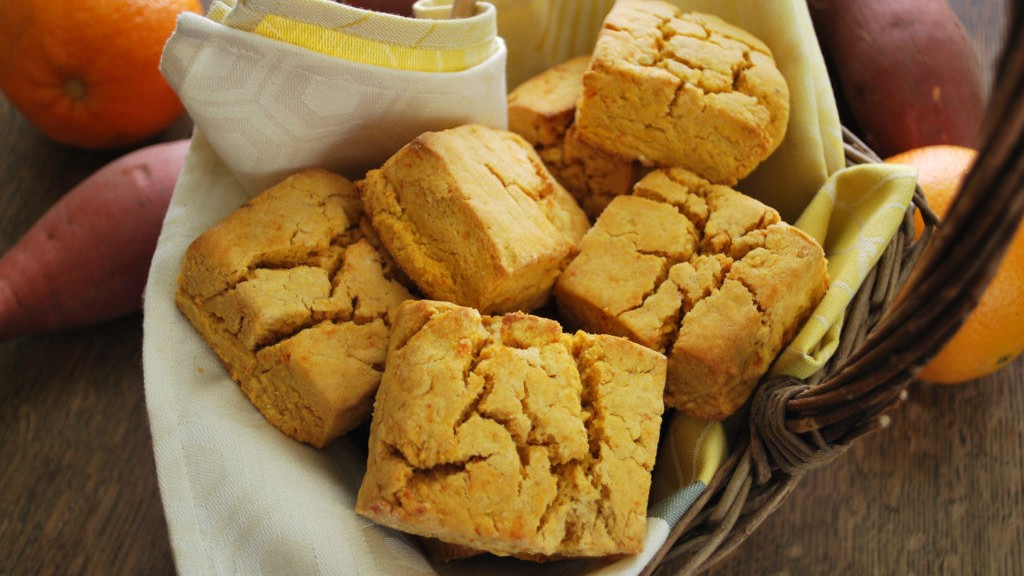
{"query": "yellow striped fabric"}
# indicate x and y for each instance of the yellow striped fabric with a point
(219, 9)
(365, 36)
(690, 450)
(854, 217)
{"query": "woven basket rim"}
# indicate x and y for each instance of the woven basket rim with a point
(749, 465)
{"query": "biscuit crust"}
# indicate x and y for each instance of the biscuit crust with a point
(701, 272)
(504, 434)
(542, 110)
(682, 89)
(294, 294)
(473, 217)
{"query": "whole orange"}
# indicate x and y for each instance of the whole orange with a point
(87, 73)
(993, 333)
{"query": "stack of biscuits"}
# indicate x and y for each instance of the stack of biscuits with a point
(513, 311)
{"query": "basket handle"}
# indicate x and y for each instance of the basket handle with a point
(950, 276)
(795, 425)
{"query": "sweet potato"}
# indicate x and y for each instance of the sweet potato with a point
(87, 258)
(905, 70)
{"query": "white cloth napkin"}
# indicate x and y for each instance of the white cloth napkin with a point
(271, 92)
(269, 108)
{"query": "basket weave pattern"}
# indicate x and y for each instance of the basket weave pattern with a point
(794, 425)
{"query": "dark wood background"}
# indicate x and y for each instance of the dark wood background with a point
(939, 492)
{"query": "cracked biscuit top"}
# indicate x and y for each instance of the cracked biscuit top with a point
(472, 216)
(701, 272)
(294, 294)
(542, 110)
(504, 434)
(543, 107)
(682, 89)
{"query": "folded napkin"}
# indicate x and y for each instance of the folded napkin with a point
(277, 86)
(854, 216)
(274, 86)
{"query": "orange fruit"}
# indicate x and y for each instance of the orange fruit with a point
(87, 73)
(992, 335)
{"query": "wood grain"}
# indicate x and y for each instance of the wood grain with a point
(936, 493)
(78, 489)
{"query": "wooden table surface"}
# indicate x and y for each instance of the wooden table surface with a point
(939, 492)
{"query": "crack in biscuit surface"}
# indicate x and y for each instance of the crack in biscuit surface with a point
(542, 110)
(294, 295)
(472, 216)
(506, 434)
(702, 273)
(682, 89)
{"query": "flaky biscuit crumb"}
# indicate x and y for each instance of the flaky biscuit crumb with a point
(682, 89)
(542, 110)
(293, 294)
(699, 271)
(504, 434)
(473, 217)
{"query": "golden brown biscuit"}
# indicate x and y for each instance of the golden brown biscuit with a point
(473, 217)
(504, 434)
(688, 90)
(542, 110)
(543, 107)
(701, 272)
(295, 296)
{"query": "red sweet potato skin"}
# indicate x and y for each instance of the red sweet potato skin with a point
(905, 69)
(87, 258)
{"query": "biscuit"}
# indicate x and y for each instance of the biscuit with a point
(682, 89)
(504, 434)
(294, 294)
(542, 110)
(707, 275)
(473, 217)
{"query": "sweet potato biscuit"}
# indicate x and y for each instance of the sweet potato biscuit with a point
(543, 107)
(542, 110)
(682, 89)
(504, 434)
(473, 217)
(708, 276)
(295, 295)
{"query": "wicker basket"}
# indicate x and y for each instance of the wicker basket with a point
(796, 425)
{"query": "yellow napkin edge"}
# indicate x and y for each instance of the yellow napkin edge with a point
(366, 36)
(854, 217)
